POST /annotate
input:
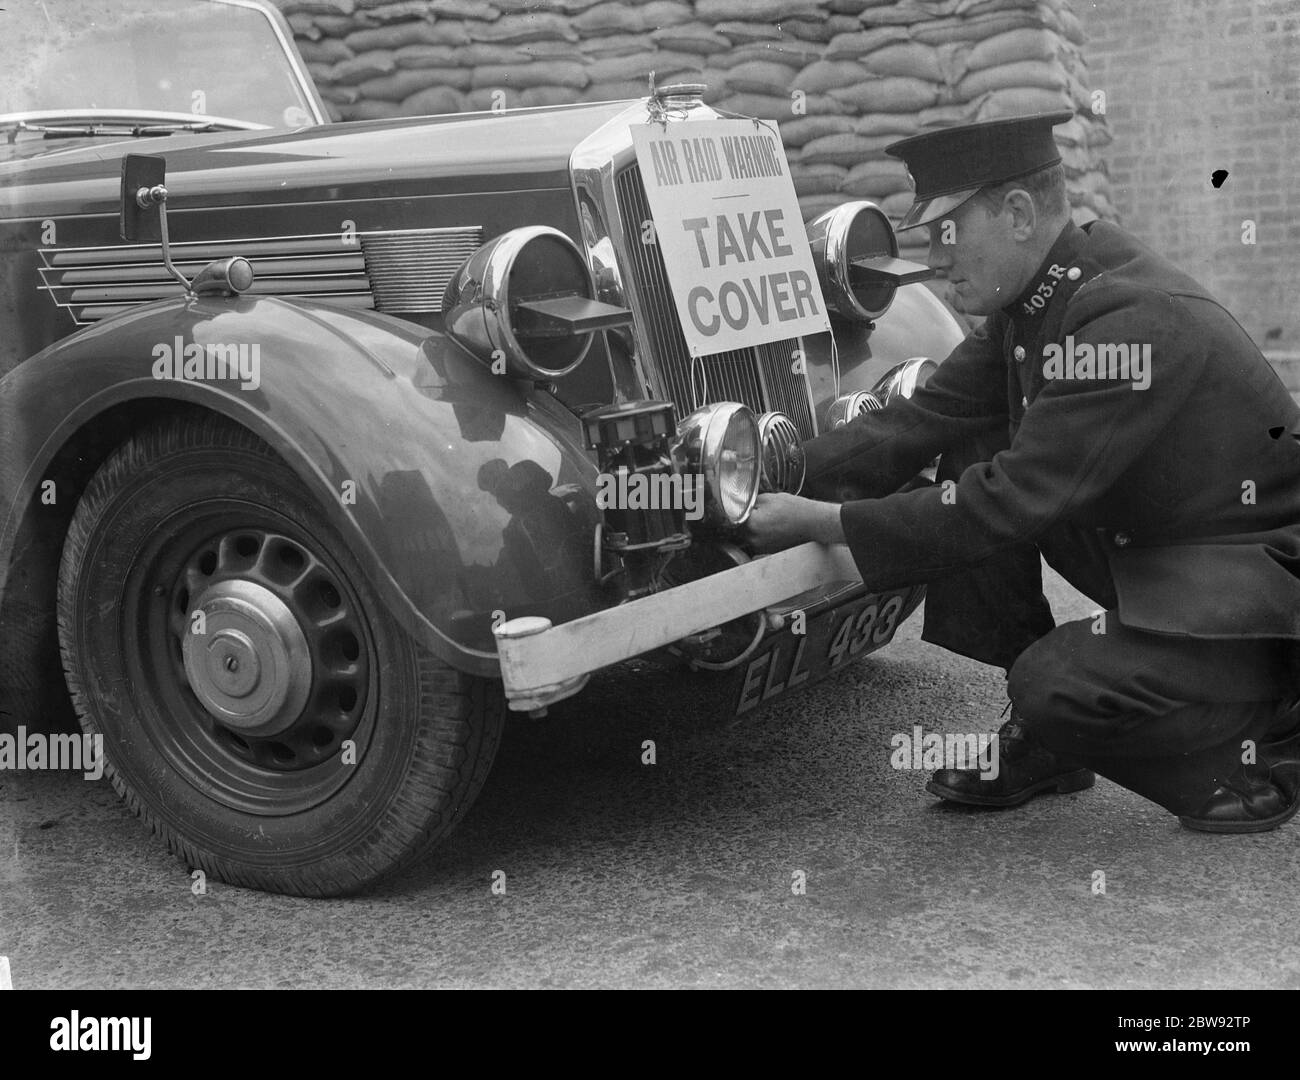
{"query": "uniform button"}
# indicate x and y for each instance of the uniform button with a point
(1074, 273)
(1018, 352)
(1024, 403)
(1123, 539)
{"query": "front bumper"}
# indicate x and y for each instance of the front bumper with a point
(542, 663)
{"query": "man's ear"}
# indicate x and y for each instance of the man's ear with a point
(1024, 214)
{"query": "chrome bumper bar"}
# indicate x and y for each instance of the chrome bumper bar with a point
(542, 663)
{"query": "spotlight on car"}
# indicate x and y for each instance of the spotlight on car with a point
(720, 442)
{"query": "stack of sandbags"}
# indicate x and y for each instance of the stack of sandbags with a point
(842, 78)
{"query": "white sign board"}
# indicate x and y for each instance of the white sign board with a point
(728, 226)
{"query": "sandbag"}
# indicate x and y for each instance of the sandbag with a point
(854, 7)
(538, 73)
(782, 50)
(436, 101)
(799, 130)
(741, 33)
(613, 17)
(399, 12)
(773, 107)
(811, 206)
(512, 29)
(463, 9)
(340, 95)
(948, 115)
(619, 68)
(827, 75)
(426, 56)
(613, 45)
(847, 149)
(327, 51)
(756, 10)
(402, 84)
(1010, 46)
(876, 179)
(822, 179)
(761, 77)
(1034, 73)
(894, 93)
(304, 26)
(370, 110)
(363, 67)
(1022, 100)
(694, 37)
(856, 45)
(334, 25)
(909, 58)
(895, 125)
(896, 205)
(820, 30)
(481, 52)
(317, 7)
(549, 95)
(943, 31)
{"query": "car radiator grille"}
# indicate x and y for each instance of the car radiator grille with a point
(762, 377)
(401, 271)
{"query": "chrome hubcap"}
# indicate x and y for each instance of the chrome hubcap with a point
(250, 664)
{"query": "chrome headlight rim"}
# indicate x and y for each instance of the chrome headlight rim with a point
(478, 300)
(829, 235)
(701, 444)
(903, 379)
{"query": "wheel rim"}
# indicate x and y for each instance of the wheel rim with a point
(253, 655)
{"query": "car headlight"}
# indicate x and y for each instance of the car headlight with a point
(525, 300)
(720, 442)
(856, 253)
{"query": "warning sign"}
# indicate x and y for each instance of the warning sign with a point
(727, 223)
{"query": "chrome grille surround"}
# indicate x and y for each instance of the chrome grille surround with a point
(613, 214)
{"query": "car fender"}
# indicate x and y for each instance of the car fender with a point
(467, 496)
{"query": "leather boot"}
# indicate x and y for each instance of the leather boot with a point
(1260, 796)
(1025, 769)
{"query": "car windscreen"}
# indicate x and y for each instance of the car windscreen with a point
(177, 56)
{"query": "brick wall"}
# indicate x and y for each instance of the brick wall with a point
(1198, 85)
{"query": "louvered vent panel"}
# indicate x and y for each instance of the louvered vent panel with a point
(409, 269)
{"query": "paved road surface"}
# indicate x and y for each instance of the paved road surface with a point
(680, 874)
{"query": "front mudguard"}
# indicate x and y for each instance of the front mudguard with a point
(467, 496)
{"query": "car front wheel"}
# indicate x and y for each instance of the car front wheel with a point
(260, 708)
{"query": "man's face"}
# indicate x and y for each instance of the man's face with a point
(983, 261)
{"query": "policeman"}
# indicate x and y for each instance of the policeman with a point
(1110, 416)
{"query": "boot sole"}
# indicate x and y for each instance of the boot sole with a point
(1229, 827)
(1079, 780)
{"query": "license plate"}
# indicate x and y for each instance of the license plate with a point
(830, 640)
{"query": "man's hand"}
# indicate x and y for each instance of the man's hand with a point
(780, 521)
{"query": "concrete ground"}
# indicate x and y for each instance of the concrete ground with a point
(681, 874)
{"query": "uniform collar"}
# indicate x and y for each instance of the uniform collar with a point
(1033, 300)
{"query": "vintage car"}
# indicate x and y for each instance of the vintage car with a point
(326, 445)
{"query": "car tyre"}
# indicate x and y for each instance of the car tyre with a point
(260, 708)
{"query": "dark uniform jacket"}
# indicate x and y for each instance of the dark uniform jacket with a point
(1190, 486)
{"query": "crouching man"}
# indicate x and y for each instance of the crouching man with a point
(1111, 416)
